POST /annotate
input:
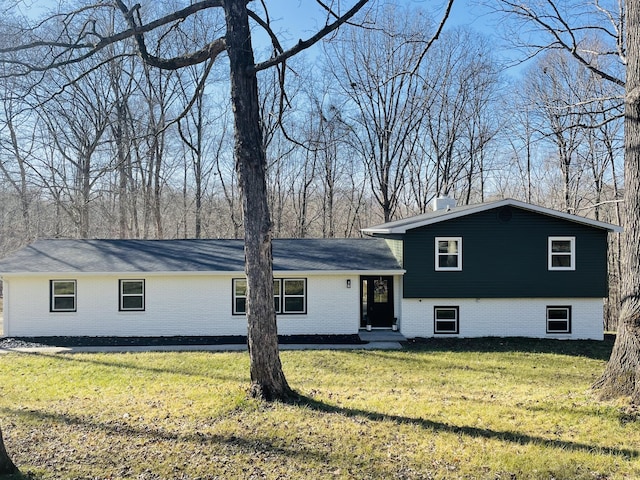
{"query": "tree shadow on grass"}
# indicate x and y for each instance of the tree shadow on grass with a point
(475, 432)
(249, 444)
(273, 445)
(22, 476)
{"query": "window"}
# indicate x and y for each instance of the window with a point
(63, 295)
(448, 253)
(239, 296)
(558, 319)
(289, 295)
(562, 253)
(380, 290)
(131, 295)
(294, 295)
(445, 319)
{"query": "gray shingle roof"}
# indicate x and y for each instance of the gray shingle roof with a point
(110, 256)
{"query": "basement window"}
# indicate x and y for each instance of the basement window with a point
(446, 320)
(558, 319)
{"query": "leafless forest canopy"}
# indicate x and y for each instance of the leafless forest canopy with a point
(367, 131)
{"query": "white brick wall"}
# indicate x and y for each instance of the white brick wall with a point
(523, 317)
(175, 305)
(201, 305)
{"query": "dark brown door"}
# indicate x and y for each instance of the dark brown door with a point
(377, 301)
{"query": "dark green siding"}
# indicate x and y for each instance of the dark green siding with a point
(505, 258)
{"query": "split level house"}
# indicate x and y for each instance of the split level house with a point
(502, 268)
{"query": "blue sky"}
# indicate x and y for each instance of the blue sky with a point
(296, 19)
(299, 18)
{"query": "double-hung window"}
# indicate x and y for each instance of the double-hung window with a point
(448, 253)
(131, 295)
(239, 296)
(62, 295)
(294, 295)
(289, 295)
(558, 319)
(562, 253)
(446, 320)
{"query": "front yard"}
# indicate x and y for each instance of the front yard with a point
(481, 409)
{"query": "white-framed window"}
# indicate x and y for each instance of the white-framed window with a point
(131, 295)
(448, 253)
(62, 295)
(562, 253)
(289, 295)
(558, 319)
(446, 320)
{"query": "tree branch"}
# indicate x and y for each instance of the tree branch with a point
(526, 13)
(210, 51)
(434, 37)
(304, 44)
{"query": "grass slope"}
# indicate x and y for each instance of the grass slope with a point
(482, 409)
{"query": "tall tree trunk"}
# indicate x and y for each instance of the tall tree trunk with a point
(622, 374)
(6, 465)
(123, 159)
(267, 378)
(85, 195)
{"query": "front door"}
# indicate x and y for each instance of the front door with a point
(377, 301)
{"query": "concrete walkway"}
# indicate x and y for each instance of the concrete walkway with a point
(373, 345)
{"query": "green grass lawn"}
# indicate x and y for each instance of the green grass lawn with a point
(485, 409)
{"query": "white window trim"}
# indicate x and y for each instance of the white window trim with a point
(568, 310)
(571, 254)
(437, 257)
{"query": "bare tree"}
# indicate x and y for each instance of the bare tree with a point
(194, 130)
(520, 136)
(16, 153)
(460, 77)
(374, 69)
(552, 88)
(77, 138)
